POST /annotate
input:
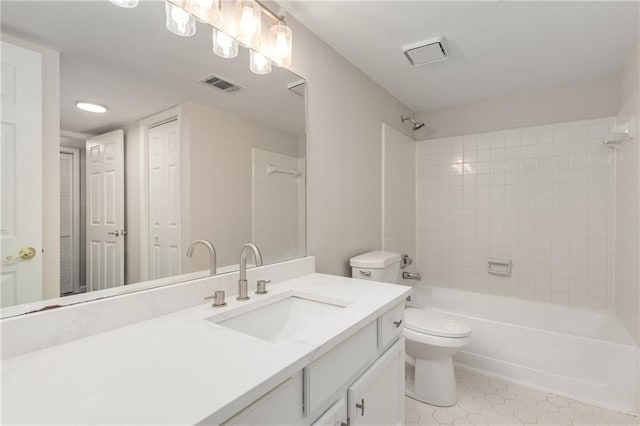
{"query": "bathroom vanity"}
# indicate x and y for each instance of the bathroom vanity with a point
(317, 349)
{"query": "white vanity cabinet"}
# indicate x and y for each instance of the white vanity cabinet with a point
(358, 382)
(280, 406)
(336, 415)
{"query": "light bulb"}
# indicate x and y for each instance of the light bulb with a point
(125, 3)
(250, 23)
(280, 39)
(178, 21)
(258, 63)
(204, 10)
(223, 45)
(247, 23)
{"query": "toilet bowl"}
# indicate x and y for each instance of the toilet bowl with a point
(431, 341)
(432, 338)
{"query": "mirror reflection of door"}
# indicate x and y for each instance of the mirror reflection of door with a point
(21, 174)
(105, 211)
(165, 200)
(69, 220)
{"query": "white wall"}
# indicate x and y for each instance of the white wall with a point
(584, 100)
(542, 197)
(221, 178)
(344, 111)
(627, 267)
(50, 164)
(399, 194)
(276, 207)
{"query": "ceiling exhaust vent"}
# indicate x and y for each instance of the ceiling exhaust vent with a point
(221, 84)
(424, 52)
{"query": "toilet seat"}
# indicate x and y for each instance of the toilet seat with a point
(433, 323)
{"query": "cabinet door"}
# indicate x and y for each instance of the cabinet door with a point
(377, 397)
(336, 415)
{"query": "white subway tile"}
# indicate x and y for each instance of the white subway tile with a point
(541, 196)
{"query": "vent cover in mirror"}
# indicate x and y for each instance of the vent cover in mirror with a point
(221, 84)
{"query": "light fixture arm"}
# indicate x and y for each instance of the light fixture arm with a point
(269, 12)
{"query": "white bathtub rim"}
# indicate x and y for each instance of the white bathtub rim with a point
(545, 389)
(628, 339)
(445, 311)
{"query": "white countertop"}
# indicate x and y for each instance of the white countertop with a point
(180, 368)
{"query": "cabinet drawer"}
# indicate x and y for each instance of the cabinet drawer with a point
(325, 376)
(280, 406)
(390, 325)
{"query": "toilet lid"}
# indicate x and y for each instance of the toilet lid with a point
(434, 323)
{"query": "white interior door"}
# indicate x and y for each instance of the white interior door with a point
(105, 211)
(21, 174)
(69, 220)
(165, 201)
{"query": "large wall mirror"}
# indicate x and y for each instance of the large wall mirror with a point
(191, 146)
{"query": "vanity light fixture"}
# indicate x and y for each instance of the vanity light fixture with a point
(280, 36)
(241, 22)
(125, 3)
(224, 45)
(204, 10)
(249, 18)
(258, 63)
(91, 107)
(179, 21)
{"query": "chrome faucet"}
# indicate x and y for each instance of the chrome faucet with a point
(242, 282)
(212, 254)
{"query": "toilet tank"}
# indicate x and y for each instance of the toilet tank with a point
(378, 265)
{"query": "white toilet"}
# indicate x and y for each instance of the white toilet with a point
(431, 338)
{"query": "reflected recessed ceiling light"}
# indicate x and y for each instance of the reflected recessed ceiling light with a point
(91, 107)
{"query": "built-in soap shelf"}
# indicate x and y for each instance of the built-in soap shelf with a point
(621, 132)
(499, 266)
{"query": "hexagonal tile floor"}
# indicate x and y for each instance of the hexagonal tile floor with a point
(490, 401)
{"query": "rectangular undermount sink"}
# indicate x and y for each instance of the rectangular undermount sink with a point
(281, 319)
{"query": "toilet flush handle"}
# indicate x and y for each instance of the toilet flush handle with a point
(366, 273)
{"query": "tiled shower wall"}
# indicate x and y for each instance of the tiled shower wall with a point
(541, 197)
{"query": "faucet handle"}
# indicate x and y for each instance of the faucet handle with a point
(218, 299)
(262, 286)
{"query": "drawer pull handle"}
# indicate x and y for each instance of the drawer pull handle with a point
(397, 323)
(360, 405)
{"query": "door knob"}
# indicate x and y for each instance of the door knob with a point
(116, 233)
(25, 253)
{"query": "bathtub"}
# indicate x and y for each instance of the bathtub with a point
(587, 356)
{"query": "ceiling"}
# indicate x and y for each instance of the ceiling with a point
(127, 60)
(496, 48)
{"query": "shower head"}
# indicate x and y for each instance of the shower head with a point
(417, 125)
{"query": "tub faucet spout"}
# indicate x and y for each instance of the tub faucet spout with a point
(411, 276)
